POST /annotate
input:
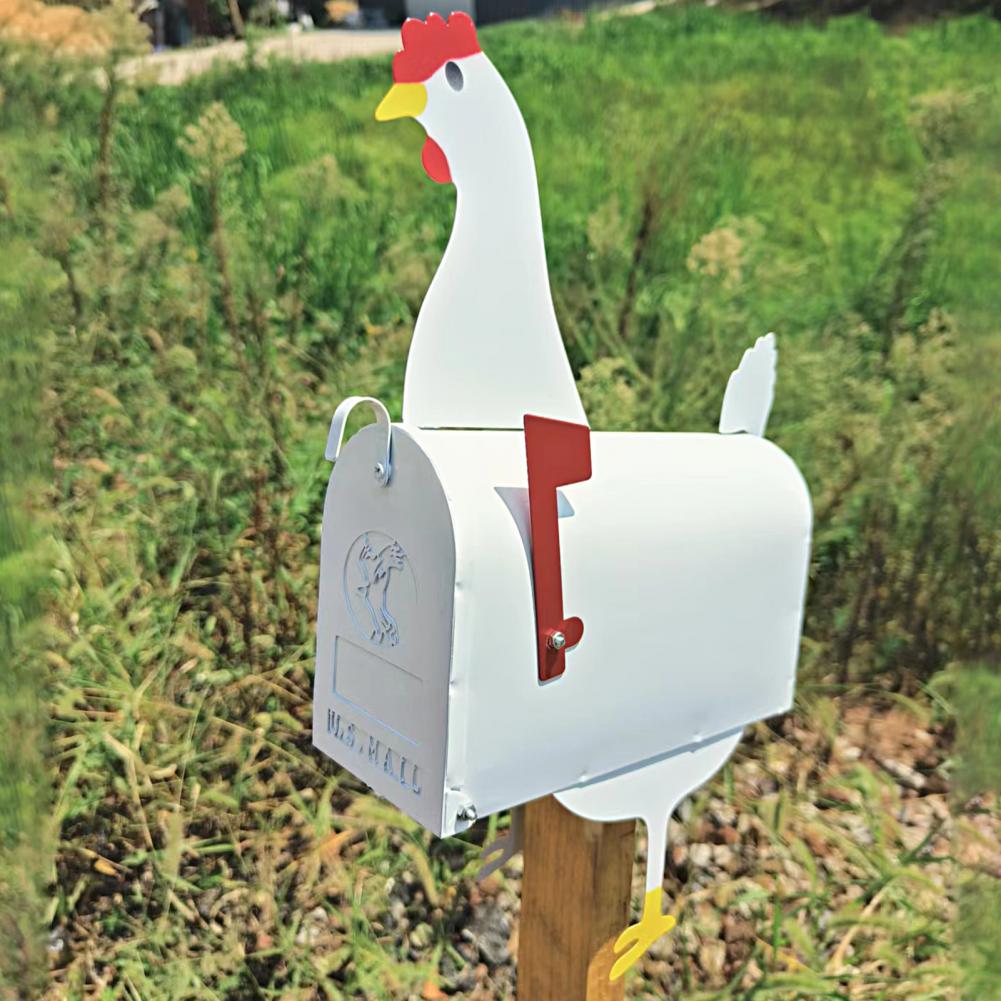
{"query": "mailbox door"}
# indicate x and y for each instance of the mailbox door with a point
(384, 624)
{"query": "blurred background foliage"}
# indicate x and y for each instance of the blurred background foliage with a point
(192, 277)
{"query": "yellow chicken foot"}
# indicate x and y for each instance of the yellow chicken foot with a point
(637, 938)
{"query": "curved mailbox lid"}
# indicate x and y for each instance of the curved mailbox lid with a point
(686, 555)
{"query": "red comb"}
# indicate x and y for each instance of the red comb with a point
(429, 44)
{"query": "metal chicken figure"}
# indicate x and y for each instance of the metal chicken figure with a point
(486, 348)
(455, 542)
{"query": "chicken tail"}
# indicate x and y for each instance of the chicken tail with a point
(750, 390)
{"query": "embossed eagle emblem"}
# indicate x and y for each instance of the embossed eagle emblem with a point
(376, 567)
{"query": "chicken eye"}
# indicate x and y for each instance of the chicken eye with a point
(454, 76)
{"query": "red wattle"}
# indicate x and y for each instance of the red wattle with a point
(435, 162)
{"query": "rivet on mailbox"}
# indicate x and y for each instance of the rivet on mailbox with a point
(443, 644)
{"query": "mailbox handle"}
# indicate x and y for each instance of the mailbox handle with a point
(557, 453)
(335, 438)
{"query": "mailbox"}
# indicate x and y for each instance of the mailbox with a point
(510, 604)
(685, 556)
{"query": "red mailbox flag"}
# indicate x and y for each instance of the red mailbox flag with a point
(558, 453)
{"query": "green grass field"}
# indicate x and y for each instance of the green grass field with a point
(187, 290)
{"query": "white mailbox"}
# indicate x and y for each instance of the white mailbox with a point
(685, 555)
(510, 605)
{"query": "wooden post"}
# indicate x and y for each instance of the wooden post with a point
(575, 895)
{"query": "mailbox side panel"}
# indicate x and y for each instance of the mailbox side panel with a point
(686, 556)
(384, 625)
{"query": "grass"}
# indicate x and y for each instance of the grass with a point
(24, 778)
(978, 706)
(186, 309)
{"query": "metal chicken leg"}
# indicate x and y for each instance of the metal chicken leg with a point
(650, 792)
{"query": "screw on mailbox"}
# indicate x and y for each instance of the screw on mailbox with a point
(557, 641)
(467, 814)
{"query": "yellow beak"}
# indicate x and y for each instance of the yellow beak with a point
(404, 100)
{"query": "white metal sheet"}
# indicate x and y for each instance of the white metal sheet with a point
(651, 792)
(486, 347)
(384, 624)
(750, 390)
(686, 556)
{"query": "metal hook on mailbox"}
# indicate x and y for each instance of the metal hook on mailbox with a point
(335, 438)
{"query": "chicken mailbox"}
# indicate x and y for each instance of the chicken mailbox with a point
(512, 605)
(683, 555)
